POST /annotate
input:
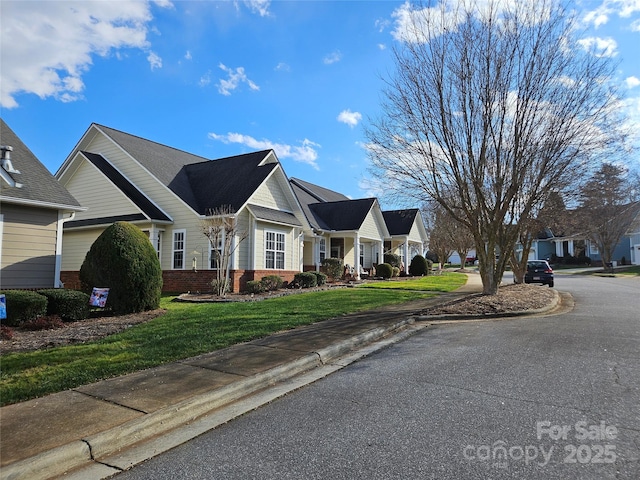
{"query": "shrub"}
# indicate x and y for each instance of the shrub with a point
(392, 259)
(321, 278)
(384, 270)
(271, 282)
(429, 266)
(6, 333)
(396, 271)
(418, 266)
(255, 286)
(23, 305)
(223, 285)
(333, 267)
(304, 280)
(433, 256)
(123, 259)
(47, 322)
(69, 305)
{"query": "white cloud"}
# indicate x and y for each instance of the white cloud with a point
(304, 153)
(205, 79)
(283, 67)
(602, 47)
(187, 55)
(234, 79)
(632, 82)
(261, 7)
(621, 8)
(332, 58)
(349, 117)
(47, 49)
(154, 60)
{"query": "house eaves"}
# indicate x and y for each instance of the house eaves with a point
(34, 185)
(274, 216)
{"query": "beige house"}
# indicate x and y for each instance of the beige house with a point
(408, 234)
(290, 226)
(33, 209)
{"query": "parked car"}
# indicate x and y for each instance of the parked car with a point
(539, 271)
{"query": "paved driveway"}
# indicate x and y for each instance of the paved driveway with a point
(536, 398)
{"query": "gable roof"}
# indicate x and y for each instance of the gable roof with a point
(150, 211)
(400, 222)
(316, 192)
(228, 181)
(201, 183)
(39, 186)
(342, 215)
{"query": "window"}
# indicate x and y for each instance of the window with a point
(274, 250)
(215, 253)
(159, 244)
(323, 249)
(179, 237)
(361, 248)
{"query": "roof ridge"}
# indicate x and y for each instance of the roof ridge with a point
(164, 145)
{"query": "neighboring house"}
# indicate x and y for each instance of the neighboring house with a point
(33, 209)
(291, 225)
(571, 241)
(408, 234)
(356, 231)
(168, 193)
(352, 230)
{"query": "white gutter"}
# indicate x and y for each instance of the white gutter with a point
(57, 282)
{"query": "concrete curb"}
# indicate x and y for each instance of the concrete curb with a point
(489, 316)
(86, 453)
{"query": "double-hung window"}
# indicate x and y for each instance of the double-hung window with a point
(215, 253)
(179, 238)
(274, 250)
(323, 249)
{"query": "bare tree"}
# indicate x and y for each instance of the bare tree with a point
(491, 107)
(221, 229)
(606, 208)
(442, 229)
(551, 216)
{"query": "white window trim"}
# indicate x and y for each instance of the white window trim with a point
(211, 251)
(183, 250)
(322, 251)
(275, 250)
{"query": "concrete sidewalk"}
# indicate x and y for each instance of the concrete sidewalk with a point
(97, 430)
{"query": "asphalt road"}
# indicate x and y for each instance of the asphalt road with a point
(553, 397)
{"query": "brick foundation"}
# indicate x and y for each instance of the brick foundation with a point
(190, 281)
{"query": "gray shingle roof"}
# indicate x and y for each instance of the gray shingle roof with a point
(399, 222)
(201, 183)
(271, 215)
(39, 186)
(345, 215)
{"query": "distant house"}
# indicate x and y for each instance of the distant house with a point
(408, 234)
(572, 241)
(291, 225)
(352, 230)
(33, 209)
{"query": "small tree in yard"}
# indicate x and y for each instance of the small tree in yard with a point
(123, 259)
(224, 235)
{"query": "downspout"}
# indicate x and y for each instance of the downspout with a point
(57, 283)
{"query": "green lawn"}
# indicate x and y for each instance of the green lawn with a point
(185, 330)
(445, 282)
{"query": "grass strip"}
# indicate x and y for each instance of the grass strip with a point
(185, 330)
(445, 282)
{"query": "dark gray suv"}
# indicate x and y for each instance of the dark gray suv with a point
(539, 271)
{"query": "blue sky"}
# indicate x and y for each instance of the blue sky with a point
(220, 78)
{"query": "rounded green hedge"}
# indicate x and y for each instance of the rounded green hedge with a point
(418, 266)
(384, 270)
(123, 260)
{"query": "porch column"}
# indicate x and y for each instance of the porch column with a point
(559, 251)
(406, 255)
(570, 248)
(356, 250)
